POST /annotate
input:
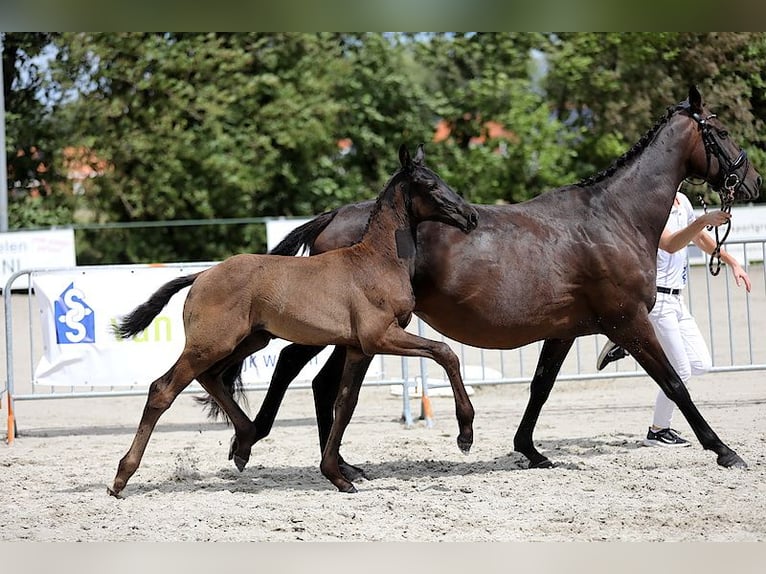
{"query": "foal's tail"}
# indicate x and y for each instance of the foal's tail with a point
(302, 238)
(140, 318)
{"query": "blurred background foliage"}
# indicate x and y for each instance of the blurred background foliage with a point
(154, 127)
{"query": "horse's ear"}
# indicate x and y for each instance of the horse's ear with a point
(420, 155)
(695, 100)
(404, 156)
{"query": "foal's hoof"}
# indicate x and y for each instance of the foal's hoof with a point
(544, 463)
(731, 460)
(239, 461)
(113, 492)
(350, 489)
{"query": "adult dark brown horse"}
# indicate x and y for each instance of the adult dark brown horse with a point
(359, 298)
(574, 261)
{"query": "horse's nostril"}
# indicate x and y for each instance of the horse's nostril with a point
(758, 182)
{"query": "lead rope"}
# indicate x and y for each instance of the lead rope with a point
(715, 258)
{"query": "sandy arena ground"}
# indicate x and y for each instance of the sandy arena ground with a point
(605, 486)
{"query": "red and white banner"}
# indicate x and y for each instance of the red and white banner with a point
(34, 250)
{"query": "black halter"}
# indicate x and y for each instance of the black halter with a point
(728, 180)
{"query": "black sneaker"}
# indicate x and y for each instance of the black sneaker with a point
(664, 437)
(611, 352)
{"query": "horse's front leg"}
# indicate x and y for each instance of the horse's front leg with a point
(354, 369)
(325, 388)
(646, 349)
(552, 356)
(397, 341)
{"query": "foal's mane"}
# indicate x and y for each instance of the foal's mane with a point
(384, 195)
(634, 151)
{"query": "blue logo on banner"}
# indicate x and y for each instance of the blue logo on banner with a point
(75, 321)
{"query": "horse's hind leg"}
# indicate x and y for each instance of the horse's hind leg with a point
(213, 384)
(221, 389)
(552, 356)
(291, 361)
(162, 393)
(354, 369)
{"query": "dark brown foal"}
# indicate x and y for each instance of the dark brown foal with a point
(359, 297)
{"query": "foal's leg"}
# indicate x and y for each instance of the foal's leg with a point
(162, 393)
(354, 369)
(645, 348)
(397, 341)
(552, 356)
(245, 432)
(213, 384)
(291, 361)
(325, 387)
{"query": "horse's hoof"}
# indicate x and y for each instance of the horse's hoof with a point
(114, 492)
(233, 446)
(352, 473)
(350, 489)
(545, 463)
(464, 445)
(731, 460)
(239, 462)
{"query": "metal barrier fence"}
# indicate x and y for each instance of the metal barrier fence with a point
(730, 319)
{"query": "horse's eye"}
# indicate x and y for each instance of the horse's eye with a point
(723, 134)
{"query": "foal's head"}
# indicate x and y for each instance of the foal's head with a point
(431, 199)
(717, 159)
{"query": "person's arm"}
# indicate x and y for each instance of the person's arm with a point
(706, 243)
(672, 242)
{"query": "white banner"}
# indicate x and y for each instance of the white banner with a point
(277, 229)
(79, 307)
(34, 250)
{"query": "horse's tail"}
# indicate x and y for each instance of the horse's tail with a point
(303, 236)
(140, 318)
(232, 381)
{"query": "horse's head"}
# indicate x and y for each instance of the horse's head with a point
(717, 158)
(431, 199)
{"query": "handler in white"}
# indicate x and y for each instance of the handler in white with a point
(676, 329)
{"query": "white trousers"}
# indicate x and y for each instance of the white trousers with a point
(683, 344)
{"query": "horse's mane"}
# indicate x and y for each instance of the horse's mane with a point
(637, 148)
(302, 237)
(384, 195)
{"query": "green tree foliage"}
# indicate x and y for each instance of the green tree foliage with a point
(31, 133)
(618, 84)
(503, 143)
(198, 126)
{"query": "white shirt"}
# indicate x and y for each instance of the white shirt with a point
(672, 269)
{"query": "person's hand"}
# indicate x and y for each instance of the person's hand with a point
(715, 218)
(740, 276)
